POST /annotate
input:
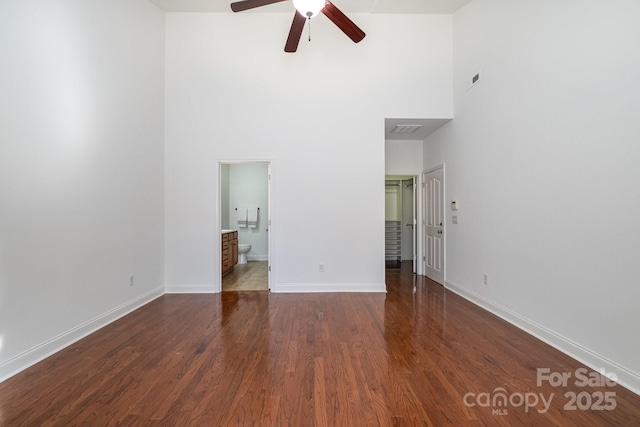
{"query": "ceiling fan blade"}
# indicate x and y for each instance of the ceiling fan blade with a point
(295, 32)
(239, 6)
(345, 24)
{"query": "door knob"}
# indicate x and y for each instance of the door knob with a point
(439, 231)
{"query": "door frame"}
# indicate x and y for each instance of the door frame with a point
(423, 220)
(218, 239)
(414, 219)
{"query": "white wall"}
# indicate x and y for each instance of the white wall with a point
(403, 157)
(392, 205)
(318, 113)
(249, 188)
(225, 215)
(543, 158)
(81, 169)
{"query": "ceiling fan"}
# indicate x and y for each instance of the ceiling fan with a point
(305, 10)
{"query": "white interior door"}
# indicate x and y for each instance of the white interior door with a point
(434, 225)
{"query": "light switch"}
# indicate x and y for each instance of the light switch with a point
(454, 219)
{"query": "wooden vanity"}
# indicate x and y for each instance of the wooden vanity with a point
(229, 250)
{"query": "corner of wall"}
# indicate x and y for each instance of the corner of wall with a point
(43, 350)
(625, 377)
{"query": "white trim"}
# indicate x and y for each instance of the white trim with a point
(206, 288)
(41, 351)
(626, 377)
(433, 169)
(301, 288)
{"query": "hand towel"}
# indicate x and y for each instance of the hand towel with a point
(242, 217)
(252, 217)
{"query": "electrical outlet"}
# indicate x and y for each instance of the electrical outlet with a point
(320, 268)
(130, 280)
(485, 279)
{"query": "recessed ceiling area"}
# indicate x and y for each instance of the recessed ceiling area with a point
(411, 129)
(445, 7)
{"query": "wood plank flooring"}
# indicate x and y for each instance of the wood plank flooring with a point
(261, 359)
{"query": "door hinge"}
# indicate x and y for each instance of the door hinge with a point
(269, 268)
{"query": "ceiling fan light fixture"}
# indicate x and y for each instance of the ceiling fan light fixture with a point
(309, 8)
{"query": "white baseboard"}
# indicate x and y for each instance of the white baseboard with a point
(625, 377)
(206, 288)
(34, 355)
(257, 257)
(298, 288)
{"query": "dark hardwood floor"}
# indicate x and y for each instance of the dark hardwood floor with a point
(254, 358)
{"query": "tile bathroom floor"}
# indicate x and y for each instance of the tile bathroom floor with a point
(251, 276)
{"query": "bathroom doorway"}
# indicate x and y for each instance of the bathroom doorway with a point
(245, 202)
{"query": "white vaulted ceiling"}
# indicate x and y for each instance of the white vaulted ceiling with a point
(350, 6)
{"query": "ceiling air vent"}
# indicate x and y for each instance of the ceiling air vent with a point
(406, 129)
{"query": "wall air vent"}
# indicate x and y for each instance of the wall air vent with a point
(406, 129)
(474, 80)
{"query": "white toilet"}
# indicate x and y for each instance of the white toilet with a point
(242, 253)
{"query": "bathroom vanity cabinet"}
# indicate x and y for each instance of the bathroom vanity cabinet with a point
(229, 250)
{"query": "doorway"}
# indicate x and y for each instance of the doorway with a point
(244, 212)
(400, 221)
